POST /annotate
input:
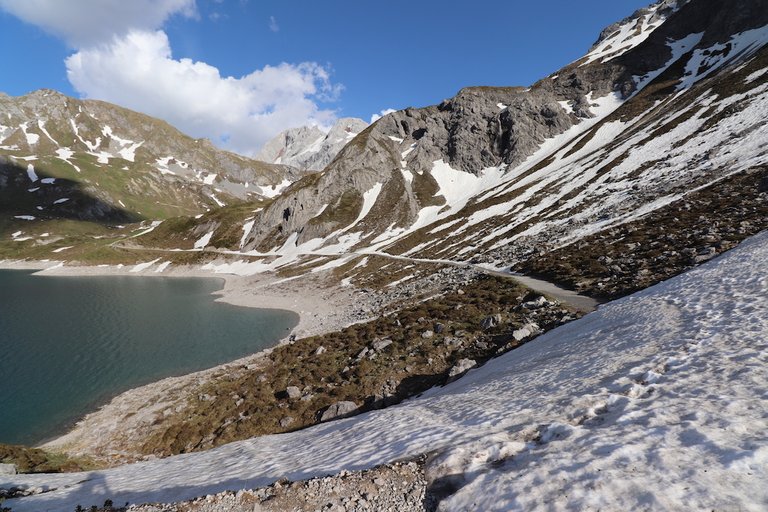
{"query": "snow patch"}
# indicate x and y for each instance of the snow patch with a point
(32, 138)
(204, 240)
(274, 190)
(247, 227)
(31, 173)
(144, 266)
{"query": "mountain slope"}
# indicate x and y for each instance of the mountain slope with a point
(494, 172)
(308, 147)
(654, 401)
(127, 160)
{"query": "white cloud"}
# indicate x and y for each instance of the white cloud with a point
(376, 117)
(84, 23)
(139, 72)
(123, 58)
(273, 26)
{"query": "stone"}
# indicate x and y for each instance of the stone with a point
(461, 367)
(380, 345)
(362, 354)
(293, 392)
(320, 350)
(7, 469)
(427, 334)
(490, 321)
(338, 410)
(525, 331)
(287, 421)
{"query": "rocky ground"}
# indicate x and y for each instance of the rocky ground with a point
(398, 487)
(690, 231)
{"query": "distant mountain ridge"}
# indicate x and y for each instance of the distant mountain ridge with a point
(308, 147)
(123, 159)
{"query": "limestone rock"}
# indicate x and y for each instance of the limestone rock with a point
(461, 367)
(338, 410)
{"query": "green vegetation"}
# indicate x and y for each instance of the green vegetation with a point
(630, 257)
(421, 343)
(343, 211)
(35, 460)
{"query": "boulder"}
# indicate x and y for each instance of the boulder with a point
(461, 367)
(338, 410)
(380, 345)
(293, 392)
(525, 331)
(7, 469)
(490, 322)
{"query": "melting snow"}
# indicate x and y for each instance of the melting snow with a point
(151, 228)
(627, 36)
(216, 200)
(32, 138)
(24, 217)
(757, 74)
(31, 173)
(202, 243)
(144, 266)
(247, 227)
(274, 190)
(706, 61)
(41, 125)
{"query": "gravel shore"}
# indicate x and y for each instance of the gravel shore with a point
(321, 306)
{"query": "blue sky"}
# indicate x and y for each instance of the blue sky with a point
(239, 71)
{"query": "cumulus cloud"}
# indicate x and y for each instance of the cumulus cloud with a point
(122, 56)
(376, 117)
(84, 23)
(139, 72)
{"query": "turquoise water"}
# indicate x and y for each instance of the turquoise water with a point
(69, 344)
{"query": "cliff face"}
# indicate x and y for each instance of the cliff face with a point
(308, 148)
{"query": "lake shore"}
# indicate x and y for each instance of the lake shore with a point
(322, 307)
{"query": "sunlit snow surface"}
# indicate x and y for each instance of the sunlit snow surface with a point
(655, 401)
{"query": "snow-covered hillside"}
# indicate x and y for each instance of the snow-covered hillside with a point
(668, 102)
(655, 401)
(128, 160)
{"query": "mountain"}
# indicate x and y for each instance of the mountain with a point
(639, 161)
(666, 106)
(89, 160)
(308, 147)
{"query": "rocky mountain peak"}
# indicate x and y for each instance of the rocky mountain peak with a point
(308, 147)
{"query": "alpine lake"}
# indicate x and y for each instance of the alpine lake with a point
(70, 344)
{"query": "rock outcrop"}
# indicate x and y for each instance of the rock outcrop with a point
(308, 147)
